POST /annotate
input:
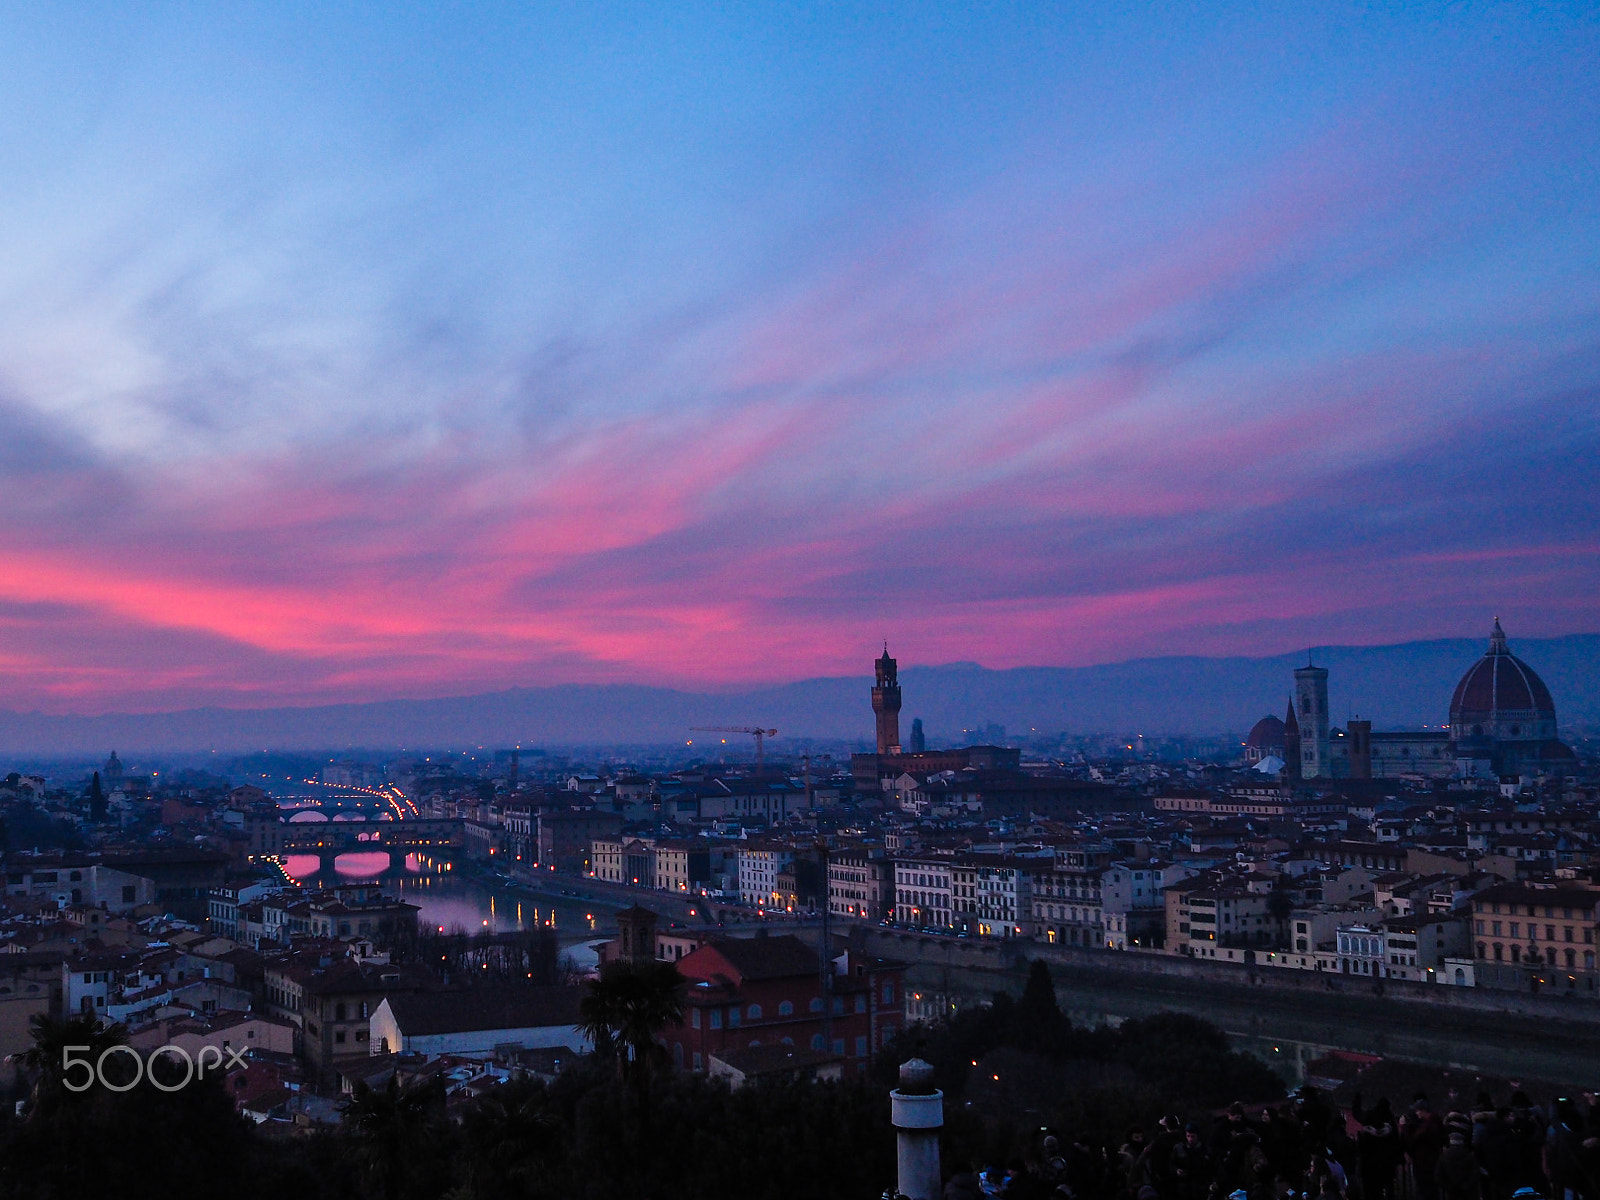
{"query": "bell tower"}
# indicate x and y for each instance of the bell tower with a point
(886, 703)
(1311, 702)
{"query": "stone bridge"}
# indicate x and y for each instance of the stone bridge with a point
(329, 839)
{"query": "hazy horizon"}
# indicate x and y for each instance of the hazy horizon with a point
(1404, 685)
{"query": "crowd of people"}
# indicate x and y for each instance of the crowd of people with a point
(1311, 1149)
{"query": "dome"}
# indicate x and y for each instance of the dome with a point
(1502, 698)
(1265, 734)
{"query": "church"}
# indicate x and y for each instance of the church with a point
(1502, 723)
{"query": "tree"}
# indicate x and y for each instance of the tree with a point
(47, 1057)
(626, 1008)
(1038, 1023)
(393, 1129)
(510, 1140)
(1280, 903)
(97, 799)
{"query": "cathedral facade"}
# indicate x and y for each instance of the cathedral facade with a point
(1502, 723)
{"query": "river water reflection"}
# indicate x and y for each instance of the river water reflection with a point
(448, 897)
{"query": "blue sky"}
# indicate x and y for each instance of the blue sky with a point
(359, 351)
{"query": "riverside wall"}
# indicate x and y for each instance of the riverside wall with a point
(1310, 989)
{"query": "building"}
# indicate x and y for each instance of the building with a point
(1360, 950)
(923, 898)
(1204, 918)
(991, 896)
(478, 1023)
(759, 866)
(1065, 894)
(1425, 752)
(606, 858)
(886, 703)
(860, 885)
(333, 1006)
(765, 991)
(1502, 719)
(222, 917)
(1132, 903)
(31, 985)
(754, 1064)
(1265, 740)
(1531, 931)
(682, 865)
(565, 835)
(79, 881)
(1416, 947)
(1311, 715)
(876, 772)
(223, 1031)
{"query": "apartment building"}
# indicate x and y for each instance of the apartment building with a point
(991, 896)
(923, 896)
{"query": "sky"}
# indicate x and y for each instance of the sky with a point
(351, 352)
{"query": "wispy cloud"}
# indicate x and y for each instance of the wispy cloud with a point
(344, 423)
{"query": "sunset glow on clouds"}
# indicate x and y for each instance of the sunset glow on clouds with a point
(349, 356)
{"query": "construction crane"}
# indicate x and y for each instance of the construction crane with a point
(761, 736)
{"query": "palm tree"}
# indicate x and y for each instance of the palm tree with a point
(511, 1137)
(626, 1008)
(52, 1038)
(391, 1129)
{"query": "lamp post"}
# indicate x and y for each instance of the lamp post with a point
(917, 1112)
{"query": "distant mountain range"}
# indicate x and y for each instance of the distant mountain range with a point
(1404, 685)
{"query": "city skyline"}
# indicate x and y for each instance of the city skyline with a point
(346, 359)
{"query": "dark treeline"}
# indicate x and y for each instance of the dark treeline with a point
(1015, 1067)
(1142, 1112)
(577, 1137)
(601, 1132)
(1156, 1109)
(24, 827)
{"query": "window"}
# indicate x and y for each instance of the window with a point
(861, 1002)
(861, 1046)
(697, 1060)
(755, 1012)
(338, 1012)
(339, 1037)
(716, 1018)
(785, 1008)
(733, 1017)
(888, 993)
(694, 1015)
(838, 1045)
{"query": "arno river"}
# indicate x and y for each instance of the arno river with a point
(449, 897)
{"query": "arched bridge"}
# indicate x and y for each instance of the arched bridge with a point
(329, 839)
